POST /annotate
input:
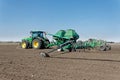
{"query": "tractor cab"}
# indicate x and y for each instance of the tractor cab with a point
(40, 34)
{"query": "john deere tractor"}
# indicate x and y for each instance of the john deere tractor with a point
(37, 40)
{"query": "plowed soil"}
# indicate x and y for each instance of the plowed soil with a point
(27, 64)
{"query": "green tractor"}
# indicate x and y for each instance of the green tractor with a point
(37, 40)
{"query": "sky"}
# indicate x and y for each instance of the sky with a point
(98, 19)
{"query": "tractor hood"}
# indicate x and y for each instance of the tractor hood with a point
(27, 39)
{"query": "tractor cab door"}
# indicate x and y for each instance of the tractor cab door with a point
(44, 36)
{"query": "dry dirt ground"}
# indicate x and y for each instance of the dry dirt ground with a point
(27, 64)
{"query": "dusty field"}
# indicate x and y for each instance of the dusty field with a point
(21, 64)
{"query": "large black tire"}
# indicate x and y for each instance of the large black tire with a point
(24, 44)
(70, 49)
(37, 44)
(103, 48)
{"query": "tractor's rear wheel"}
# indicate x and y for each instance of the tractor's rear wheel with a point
(37, 44)
(24, 44)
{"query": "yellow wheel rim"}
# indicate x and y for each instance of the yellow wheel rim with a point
(23, 45)
(36, 44)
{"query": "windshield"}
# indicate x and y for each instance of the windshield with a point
(37, 35)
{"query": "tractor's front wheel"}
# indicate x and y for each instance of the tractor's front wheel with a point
(37, 44)
(24, 44)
